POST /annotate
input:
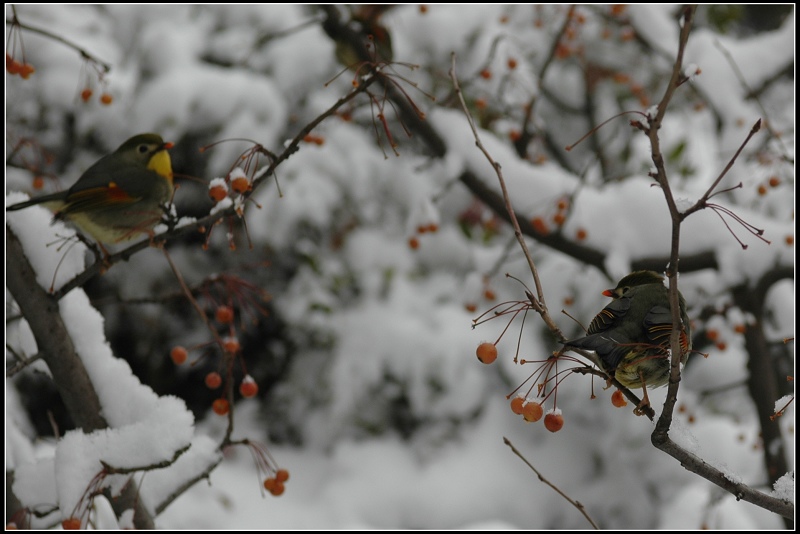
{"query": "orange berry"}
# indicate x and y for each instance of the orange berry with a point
(488, 294)
(562, 51)
(486, 74)
(281, 475)
(178, 355)
(231, 345)
(278, 489)
(71, 523)
(217, 193)
(487, 352)
(789, 239)
(618, 399)
(86, 94)
(38, 182)
(248, 388)
(617, 9)
(213, 380)
(432, 228)
(319, 141)
(413, 243)
(480, 103)
(569, 301)
(423, 8)
(240, 184)
(517, 405)
(514, 135)
(269, 484)
(627, 34)
(12, 67)
(470, 307)
(221, 407)
(539, 225)
(580, 234)
(532, 412)
(562, 204)
(721, 345)
(106, 99)
(26, 70)
(224, 314)
(712, 334)
(774, 181)
(740, 328)
(553, 422)
(512, 63)
(559, 218)
(762, 190)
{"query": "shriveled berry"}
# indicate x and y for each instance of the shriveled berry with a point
(618, 399)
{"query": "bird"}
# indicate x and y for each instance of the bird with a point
(120, 196)
(631, 336)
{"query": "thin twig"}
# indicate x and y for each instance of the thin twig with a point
(577, 504)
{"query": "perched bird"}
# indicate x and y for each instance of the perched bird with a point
(631, 334)
(120, 196)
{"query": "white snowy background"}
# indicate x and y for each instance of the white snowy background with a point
(376, 324)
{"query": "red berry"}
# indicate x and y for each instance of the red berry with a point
(487, 352)
(413, 243)
(213, 380)
(71, 523)
(553, 422)
(26, 70)
(231, 345)
(178, 355)
(532, 412)
(86, 94)
(224, 314)
(539, 225)
(774, 181)
(486, 74)
(221, 407)
(248, 388)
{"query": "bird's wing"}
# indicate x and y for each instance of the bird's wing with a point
(658, 325)
(610, 316)
(100, 197)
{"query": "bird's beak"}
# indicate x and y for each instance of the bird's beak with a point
(608, 292)
(167, 146)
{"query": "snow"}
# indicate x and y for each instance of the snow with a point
(396, 424)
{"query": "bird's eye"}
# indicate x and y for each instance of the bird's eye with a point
(143, 149)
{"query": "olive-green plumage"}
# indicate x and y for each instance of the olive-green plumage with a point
(631, 334)
(121, 195)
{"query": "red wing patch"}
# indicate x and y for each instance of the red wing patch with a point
(98, 197)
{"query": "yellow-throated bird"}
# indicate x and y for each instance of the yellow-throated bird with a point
(631, 334)
(120, 196)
